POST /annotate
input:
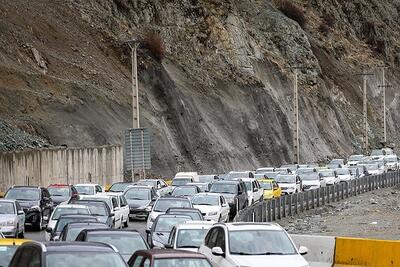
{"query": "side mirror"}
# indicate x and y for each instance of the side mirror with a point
(116, 208)
(112, 214)
(303, 250)
(255, 189)
(240, 192)
(224, 205)
(21, 212)
(148, 231)
(56, 238)
(217, 251)
(49, 230)
(169, 246)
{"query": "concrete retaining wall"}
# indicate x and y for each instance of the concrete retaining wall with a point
(321, 249)
(103, 165)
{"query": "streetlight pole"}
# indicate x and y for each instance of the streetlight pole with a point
(296, 147)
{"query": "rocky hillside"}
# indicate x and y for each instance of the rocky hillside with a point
(216, 76)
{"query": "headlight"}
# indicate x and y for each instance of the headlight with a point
(213, 213)
(35, 208)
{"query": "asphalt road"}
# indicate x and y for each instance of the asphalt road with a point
(134, 225)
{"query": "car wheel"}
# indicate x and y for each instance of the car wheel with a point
(126, 223)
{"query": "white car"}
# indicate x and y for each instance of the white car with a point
(63, 209)
(123, 206)
(374, 169)
(264, 170)
(355, 159)
(392, 163)
(344, 174)
(251, 244)
(329, 175)
(159, 185)
(254, 191)
(212, 206)
(289, 183)
(312, 180)
(112, 202)
(12, 219)
(88, 189)
(188, 236)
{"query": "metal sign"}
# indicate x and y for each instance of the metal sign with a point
(137, 149)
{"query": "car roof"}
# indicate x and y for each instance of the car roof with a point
(110, 194)
(12, 241)
(87, 201)
(59, 185)
(173, 216)
(208, 194)
(77, 224)
(266, 180)
(8, 200)
(252, 226)
(173, 198)
(183, 209)
(86, 184)
(78, 246)
(228, 181)
(195, 225)
(147, 187)
(170, 253)
(113, 231)
(83, 216)
(26, 186)
(71, 206)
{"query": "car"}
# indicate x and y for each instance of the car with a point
(312, 180)
(305, 170)
(195, 214)
(259, 176)
(270, 175)
(251, 244)
(329, 175)
(8, 246)
(235, 194)
(378, 154)
(271, 188)
(65, 209)
(335, 162)
(291, 167)
(283, 170)
(388, 151)
(159, 185)
(193, 175)
(89, 189)
(119, 187)
(54, 233)
(264, 170)
(185, 191)
(168, 258)
(254, 191)
(35, 202)
(140, 200)
(72, 230)
(188, 236)
(213, 206)
(381, 163)
(158, 235)
(12, 219)
(392, 163)
(208, 178)
(373, 169)
(204, 187)
(240, 174)
(162, 204)
(344, 174)
(182, 180)
(60, 193)
(113, 203)
(60, 254)
(126, 242)
(122, 205)
(98, 209)
(289, 183)
(355, 159)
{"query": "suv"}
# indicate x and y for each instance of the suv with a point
(62, 193)
(36, 203)
(261, 244)
(234, 192)
(254, 191)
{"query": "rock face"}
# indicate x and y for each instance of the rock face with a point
(222, 96)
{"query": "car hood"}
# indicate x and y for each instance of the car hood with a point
(287, 185)
(7, 217)
(311, 182)
(101, 218)
(273, 260)
(136, 203)
(161, 237)
(205, 208)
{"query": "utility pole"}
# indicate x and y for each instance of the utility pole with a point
(296, 147)
(383, 86)
(365, 110)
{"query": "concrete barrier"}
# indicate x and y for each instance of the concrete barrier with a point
(103, 165)
(321, 249)
(366, 252)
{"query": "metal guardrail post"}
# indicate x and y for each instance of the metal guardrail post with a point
(269, 211)
(328, 189)
(323, 189)
(338, 192)
(296, 203)
(342, 191)
(290, 200)
(283, 206)
(301, 197)
(347, 190)
(278, 208)
(307, 200)
(273, 209)
(318, 195)
(333, 193)
(312, 192)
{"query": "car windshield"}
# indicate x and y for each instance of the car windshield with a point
(342, 171)
(83, 258)
(327, 173)
(356, 157)
(181, 262)
(377, 152)
(234, 175)
(119, 187)
(336, 161)
(372, 167)
(163, 204)
(28, 194)
(68, 210)
(59, 191)
(152, 183)
(6, 208)
(266, 185)
(282, 170)
(106, 199)
(285, 179)
(190, 238)
(196, 216)
(202, 187)
(260, 242)
(181, 181)
(224, 188)
(309, 176)
(206, 178)
(126, 243)
(74, 231)
(85, 189)
(165, 224)
(97, 209)
(271, 175)
(6, 253)
(208, 200)
(64, 221)
(304, 171)
(138, 194)
(184, 191)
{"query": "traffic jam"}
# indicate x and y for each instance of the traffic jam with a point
(187, 221)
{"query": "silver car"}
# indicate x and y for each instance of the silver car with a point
(12, 218)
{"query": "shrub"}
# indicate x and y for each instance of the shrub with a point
(292, 11)
(154, 43)
(323, 28)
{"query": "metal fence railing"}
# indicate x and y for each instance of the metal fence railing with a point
(289, 205)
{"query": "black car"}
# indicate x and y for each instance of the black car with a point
(60, 254)
(195, 214)
(64, 220)
(158, 236)
(140, 200)
(98, 209)
(234, 192)
(62, 193)
(36, 203)
(127, 242)
(73, 229)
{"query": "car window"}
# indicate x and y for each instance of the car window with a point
(46, 193)
(114, 202)
(220, 239)
(28, 257)
(146, 263)
(137, 262)
(18, 206)
(123, 201)
(211, 239)
(221, 200)
(239, 189)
